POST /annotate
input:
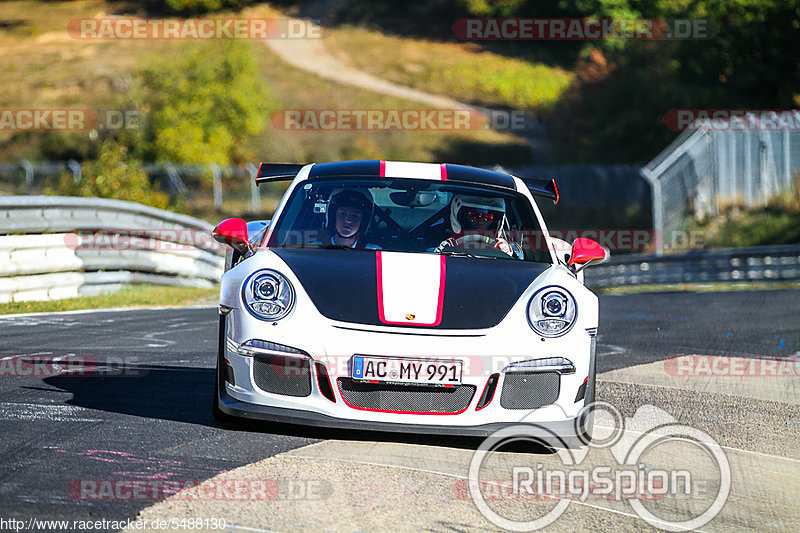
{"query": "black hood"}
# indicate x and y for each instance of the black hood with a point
(343, 285)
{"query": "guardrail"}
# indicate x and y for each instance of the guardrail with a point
(760, 263)
(55, 247)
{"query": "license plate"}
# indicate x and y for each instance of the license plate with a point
(407, 370)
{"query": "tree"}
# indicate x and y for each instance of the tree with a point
(202, 104)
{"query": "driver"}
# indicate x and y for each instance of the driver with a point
(348, 216)
(477, 222)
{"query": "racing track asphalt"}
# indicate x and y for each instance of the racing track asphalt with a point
(144, 412)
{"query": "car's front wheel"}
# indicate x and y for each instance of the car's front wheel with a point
(216, 412)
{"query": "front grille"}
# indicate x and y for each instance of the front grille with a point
(290, 376)
(528, 390)
(408, 398)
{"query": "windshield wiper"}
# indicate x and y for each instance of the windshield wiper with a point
(457, 253)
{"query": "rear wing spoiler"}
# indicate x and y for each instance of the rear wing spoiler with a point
(543, 188)
(269, 172)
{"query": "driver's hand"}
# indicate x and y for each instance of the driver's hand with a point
(451, 242)
(503, 245)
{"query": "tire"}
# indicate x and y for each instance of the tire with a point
(216, 412)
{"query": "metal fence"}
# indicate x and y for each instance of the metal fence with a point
(706, 168)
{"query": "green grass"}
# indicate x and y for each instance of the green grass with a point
(736, 226)
(750, 228)
(131, 297)
(463, 71)
(699, 287)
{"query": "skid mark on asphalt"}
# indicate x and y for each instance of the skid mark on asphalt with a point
(45, 413)
(604, 350)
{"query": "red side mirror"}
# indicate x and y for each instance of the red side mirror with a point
(232, 232)
(586, 250)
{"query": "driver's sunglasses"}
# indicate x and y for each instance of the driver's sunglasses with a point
(476, 216)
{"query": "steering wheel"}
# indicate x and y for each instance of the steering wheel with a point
(461, 242)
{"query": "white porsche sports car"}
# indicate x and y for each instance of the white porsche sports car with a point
(405, 296)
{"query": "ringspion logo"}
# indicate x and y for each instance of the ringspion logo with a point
(655, 467)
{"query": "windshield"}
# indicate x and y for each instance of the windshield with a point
(409, 215)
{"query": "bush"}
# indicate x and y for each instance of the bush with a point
(191, 7)
(112, 175)
(201, 105)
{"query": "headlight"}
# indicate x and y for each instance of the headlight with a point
(268, 295)
(552, 311)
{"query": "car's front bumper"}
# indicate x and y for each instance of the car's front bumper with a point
(565, 429)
